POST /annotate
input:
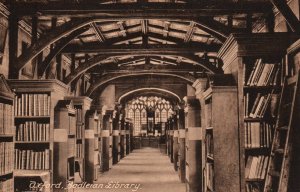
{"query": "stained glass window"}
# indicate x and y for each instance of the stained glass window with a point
(137, 110)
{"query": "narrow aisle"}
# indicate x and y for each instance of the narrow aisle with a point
(147, 167)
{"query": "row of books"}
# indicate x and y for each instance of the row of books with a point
(97, 171)
(72, 125)
(6, 157)
(33, 131)
(79, 150)
(7, 185)
(79, 131)
(210, 176)
(209, 144)
(208, 113)
(79, 118)
(97, 158)
(256, 167)
(32, 105)
(96, 143)
(260, 104)
(32, 160)
(71, 147)
(254, 187)
(258, 134)
(6, 119)
(263, 74)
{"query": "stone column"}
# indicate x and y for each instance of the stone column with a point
(181, 145)
(193, 145)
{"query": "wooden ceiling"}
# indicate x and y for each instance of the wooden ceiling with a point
(127, 35)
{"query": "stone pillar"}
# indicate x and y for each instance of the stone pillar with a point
(116, 138)
(181, 145)
(193, 145)
(175, 142)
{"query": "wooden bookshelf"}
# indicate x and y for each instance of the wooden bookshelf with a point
(7, 136)
(81, 104)
(209, 151)
(65, 143)
(209, 146)
(34, 121)
(106, 136)
(257, 64)
(219, 129)
(92, 146)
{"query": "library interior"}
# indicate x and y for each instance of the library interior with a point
(149, 95)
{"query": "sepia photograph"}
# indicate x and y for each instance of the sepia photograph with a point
(149, 96)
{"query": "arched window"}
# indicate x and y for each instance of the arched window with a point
(139, 108)
(137, 121)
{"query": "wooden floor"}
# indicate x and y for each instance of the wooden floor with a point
(144, 170)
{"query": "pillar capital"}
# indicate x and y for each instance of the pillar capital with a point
(200, 85)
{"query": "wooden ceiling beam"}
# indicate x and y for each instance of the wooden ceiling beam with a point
(190, 32)
(288, 14)
(144, 25)
(59, 46)
(109, 77)
(138, 49)
(82, 68)
(141, 10)
(49, 38)
(98, 32)
(55, 34)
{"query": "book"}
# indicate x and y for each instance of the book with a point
(256, 167)
(258, 134)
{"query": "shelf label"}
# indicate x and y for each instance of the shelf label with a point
(105, 133)
(123, 132)
(176, 133)
(195, 133)
(116, 133)
(60, 135)
(171, 132)
(181, 133)
(89, 134)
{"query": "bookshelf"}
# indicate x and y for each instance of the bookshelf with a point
(262, 81)
(7, 136)
(122, 137)
(209, 146)
(65, 143)
(81, 105)
(92, 146)
(219, 132)
(257, 64)
(106, 136)
(129, 135)
(293, 67)
(34, 122)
